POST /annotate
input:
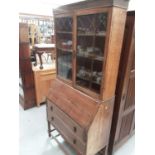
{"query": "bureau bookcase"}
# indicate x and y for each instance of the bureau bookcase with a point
(80, 100)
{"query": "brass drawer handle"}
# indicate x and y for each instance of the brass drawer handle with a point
(52, 118)
(51, 108)
(74, 129)
(74, 141)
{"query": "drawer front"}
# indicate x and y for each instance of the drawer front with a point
(73, 126)
(70, 138)
(48, 75)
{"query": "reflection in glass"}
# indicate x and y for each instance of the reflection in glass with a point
(64, 47)
(64, 64)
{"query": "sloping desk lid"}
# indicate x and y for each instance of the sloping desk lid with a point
(78, 106)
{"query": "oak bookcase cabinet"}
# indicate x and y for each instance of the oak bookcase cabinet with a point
(26, 79)
(80, 101)
(123, 124)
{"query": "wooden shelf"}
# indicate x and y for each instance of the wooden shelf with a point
(64, 32)
(89, 80)
(88, 57)
(93, 34)
(67, 65)
(83, 78)
(65, 50)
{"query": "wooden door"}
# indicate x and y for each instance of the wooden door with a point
(64, 46)
(124, 110)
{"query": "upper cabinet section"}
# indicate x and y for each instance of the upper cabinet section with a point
(64, 46)
(89, 38)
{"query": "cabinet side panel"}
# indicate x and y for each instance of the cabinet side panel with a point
(113, 52)
(98, 133)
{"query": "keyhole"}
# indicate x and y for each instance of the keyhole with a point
(74, 129)
(74, 141)
(52, 118)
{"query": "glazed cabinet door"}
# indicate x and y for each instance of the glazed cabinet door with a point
(64, 46)
(90, 33)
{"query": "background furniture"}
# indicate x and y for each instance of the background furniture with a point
(123, 124)
(41, 28)
(43, 79)
(26, 79)
(44, 48)
(80, 101)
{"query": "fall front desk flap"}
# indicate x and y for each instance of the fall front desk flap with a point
(80, 107)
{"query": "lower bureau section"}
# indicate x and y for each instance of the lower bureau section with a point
(68, 135)
(82, 121)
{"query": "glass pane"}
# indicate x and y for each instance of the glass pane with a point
(91, 32)
(64, 64)
(64, 46)
(64, 24)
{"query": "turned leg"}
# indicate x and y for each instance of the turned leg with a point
(49, 129)
(35, 64)
(40, 59)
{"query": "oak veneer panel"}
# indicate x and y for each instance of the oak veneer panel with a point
(79, 107)
(113, 52)
(92, 119)
(69, 136)
(76, 128)
(99, 127)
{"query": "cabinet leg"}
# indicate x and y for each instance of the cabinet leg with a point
(40, 58)
(103, 151)
(49, 129)
(106, 150)
(34, 51)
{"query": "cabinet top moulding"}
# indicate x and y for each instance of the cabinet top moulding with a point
(91, 4)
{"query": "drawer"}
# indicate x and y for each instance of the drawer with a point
(47, 75)
(73, 126)
(68, 136)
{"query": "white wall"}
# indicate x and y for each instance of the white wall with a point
(132, 5)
